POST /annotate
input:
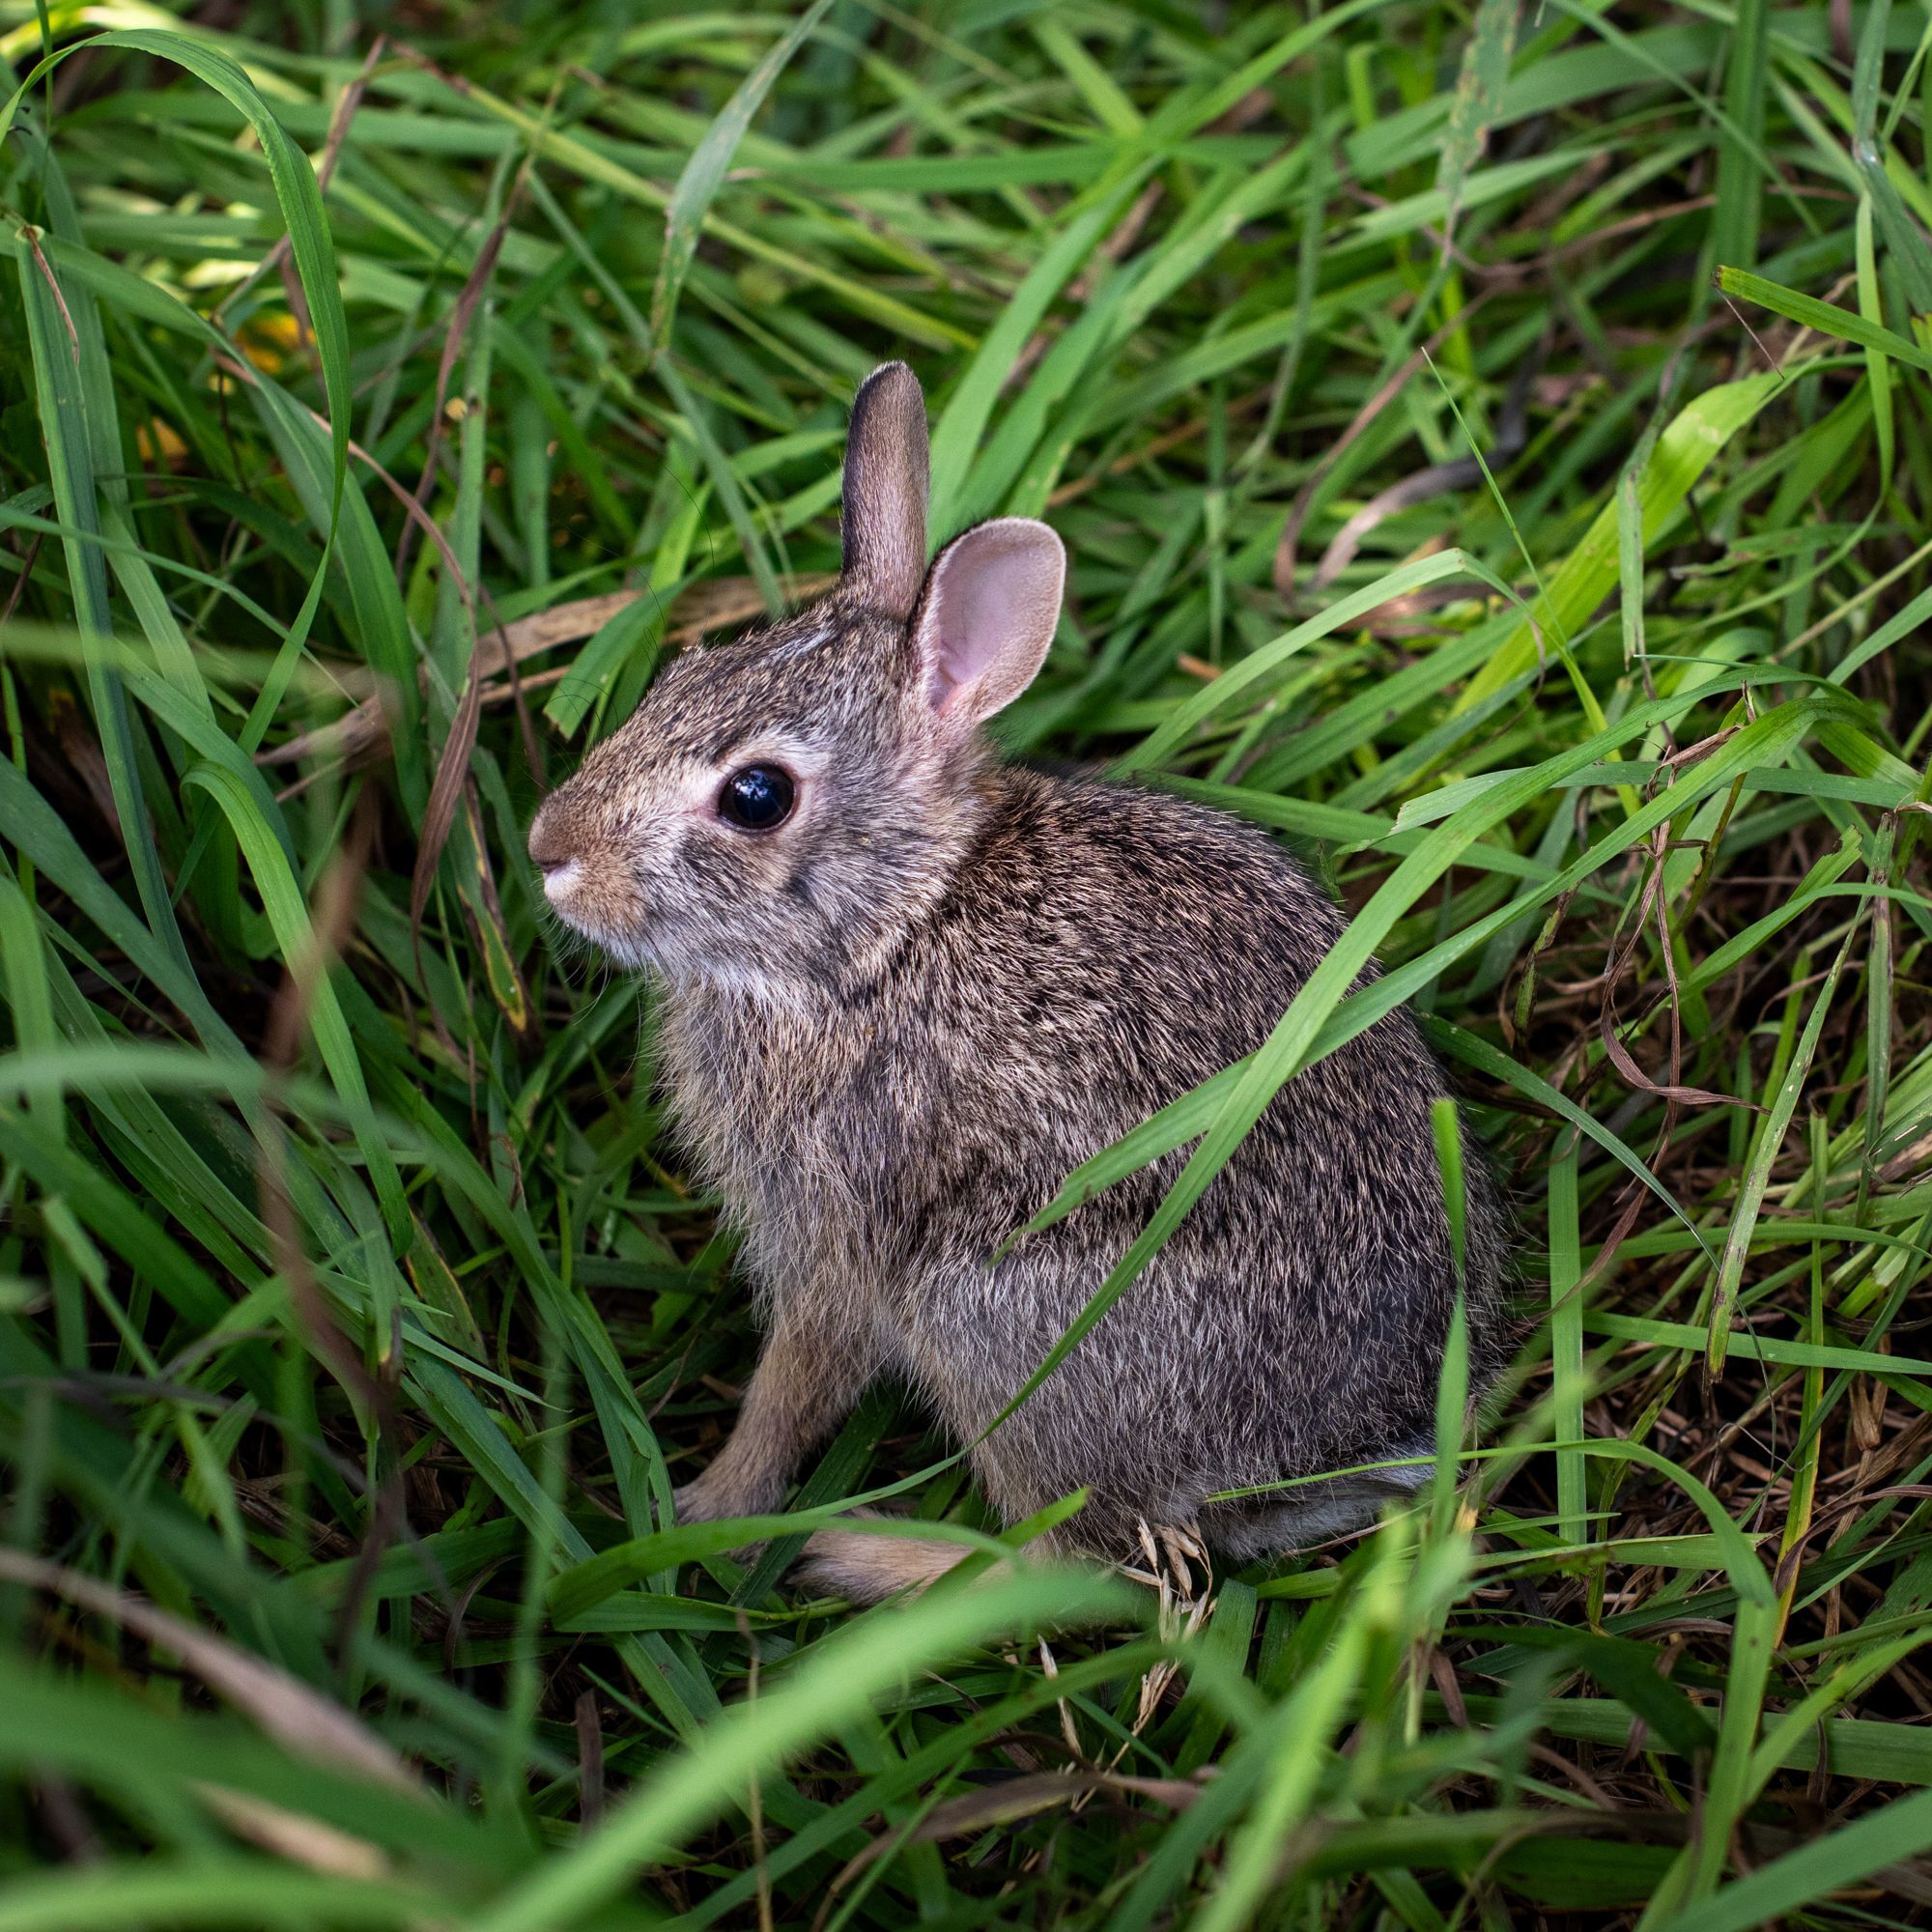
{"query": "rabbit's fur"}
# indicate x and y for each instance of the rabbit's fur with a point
(890, 1028)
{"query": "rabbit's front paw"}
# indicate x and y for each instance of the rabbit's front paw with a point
(711, 1498)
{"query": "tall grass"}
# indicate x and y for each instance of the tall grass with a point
(1492, 447)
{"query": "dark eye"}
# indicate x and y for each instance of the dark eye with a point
(759, 798)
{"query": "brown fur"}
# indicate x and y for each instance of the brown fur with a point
(890, 1028)
(843, 1563)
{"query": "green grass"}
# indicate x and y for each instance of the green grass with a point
(355, 1315)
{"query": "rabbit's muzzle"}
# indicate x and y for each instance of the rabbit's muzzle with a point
(556, 844)
(594, 865)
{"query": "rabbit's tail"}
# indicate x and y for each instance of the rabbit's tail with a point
(868, 1569)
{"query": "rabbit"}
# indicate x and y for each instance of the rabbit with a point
(904, 989)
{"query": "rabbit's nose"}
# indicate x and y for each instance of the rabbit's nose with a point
(554, 845)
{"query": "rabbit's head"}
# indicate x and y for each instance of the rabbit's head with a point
(778, 807)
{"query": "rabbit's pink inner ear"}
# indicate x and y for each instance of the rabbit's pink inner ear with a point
(887, 463)
(991, 606)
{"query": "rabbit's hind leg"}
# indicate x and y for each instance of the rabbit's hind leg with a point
(1312, 1514)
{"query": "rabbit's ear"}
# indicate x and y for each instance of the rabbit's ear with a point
(886, 481)
(991, 606)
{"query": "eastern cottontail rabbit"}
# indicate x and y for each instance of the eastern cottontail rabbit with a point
(906, 989)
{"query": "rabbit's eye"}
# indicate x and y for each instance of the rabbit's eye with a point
(757, 798)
